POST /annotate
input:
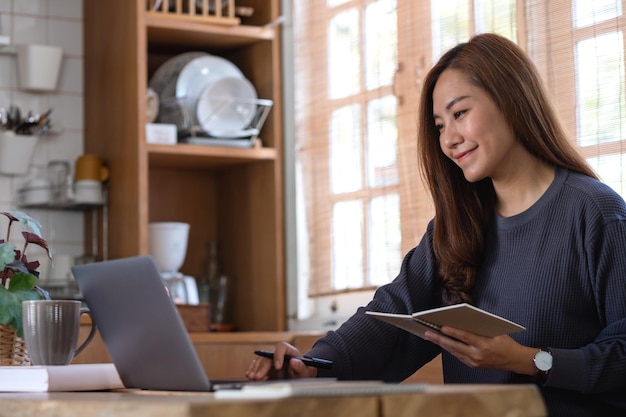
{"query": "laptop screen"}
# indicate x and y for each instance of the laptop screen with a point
(140, 326)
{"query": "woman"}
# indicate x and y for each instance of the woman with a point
(522, 229)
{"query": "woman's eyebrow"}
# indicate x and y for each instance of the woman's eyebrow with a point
(451, 103)
(454, 101)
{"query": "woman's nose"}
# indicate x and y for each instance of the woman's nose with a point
(450, 137)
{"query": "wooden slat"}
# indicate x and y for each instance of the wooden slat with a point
(189, 11)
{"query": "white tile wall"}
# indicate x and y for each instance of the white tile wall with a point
(58, 23)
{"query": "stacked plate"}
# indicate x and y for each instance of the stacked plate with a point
(206, 92)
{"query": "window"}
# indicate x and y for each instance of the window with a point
(357, 71)
(454, 21)
(348, 145)
(579, 45)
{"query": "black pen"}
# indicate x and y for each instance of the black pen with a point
(314, 362)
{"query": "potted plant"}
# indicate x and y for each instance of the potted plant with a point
(19, 282)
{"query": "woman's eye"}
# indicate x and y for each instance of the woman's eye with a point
(439, 127)
(458, 114)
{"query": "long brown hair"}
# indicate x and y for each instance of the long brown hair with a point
(463, 210)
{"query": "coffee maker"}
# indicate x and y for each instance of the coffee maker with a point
(168, 246)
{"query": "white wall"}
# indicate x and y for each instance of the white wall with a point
(59, 23)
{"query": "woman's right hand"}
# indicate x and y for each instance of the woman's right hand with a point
(262, 369)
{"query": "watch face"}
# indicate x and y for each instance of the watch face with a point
(543, 361)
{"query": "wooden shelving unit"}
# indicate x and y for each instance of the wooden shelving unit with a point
(230, 195)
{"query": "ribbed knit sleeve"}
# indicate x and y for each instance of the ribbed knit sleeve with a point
(599, 365)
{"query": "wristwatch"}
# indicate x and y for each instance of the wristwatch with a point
(543, 363)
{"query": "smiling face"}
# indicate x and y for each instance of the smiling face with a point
(472, 130)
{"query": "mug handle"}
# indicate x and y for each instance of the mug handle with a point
(92, 331)
(104, 173)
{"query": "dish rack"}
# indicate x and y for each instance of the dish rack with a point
(179, 112)
(213, 11)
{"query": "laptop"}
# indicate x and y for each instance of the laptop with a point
(141, 328)
(150, 346)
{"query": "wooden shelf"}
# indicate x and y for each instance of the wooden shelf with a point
(177, 31)
(68, 206)
(209, 157)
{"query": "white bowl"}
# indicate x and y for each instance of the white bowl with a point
(35, 191)
(34, 196)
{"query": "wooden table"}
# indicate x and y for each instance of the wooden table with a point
(436, 401)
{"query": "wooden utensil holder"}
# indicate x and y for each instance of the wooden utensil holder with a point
(197, 318)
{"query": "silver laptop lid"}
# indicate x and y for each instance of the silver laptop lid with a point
(140, 326)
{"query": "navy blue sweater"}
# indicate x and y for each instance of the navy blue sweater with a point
(559, 269)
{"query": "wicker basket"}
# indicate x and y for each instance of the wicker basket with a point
(12, 348)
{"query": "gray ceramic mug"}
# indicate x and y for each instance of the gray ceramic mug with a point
(51, 330)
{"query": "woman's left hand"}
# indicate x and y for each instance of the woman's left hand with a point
(501, 352)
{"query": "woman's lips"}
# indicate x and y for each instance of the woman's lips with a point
(463, 155)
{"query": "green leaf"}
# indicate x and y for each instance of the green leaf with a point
(11, 306)
(22, 281)
(7, 254)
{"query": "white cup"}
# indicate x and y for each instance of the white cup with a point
(88, 191)
(167, 244)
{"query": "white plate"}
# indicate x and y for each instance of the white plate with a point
(227, 105)
(200, 72)
(163, 81)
